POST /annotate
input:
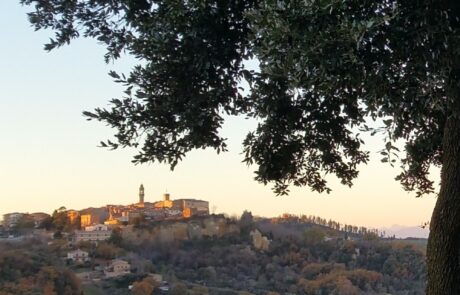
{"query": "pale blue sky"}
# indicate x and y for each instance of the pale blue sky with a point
(49, 156)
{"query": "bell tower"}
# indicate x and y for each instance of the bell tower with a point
(141, 194)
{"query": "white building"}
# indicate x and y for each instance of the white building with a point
(98, 232)
(78, 256)
(97, 227)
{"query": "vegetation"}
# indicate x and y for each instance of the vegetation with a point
(303, 258)
(32, 268)
(144, 287)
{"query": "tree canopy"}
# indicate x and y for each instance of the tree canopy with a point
(325, 66)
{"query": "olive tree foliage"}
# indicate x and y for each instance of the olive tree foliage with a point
(190, 56)
(326, 66)
(338, 62)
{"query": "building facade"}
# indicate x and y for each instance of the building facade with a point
(94, 233)
(191, 207)
(78, 256)
(117, 268)
(89, 219)
(165, 203)
(72, 215)
(11, 219)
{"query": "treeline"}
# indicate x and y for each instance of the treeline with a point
(332, 224)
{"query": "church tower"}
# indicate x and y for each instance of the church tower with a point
(141, 194)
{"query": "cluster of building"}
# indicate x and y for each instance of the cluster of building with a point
(164, 209)
(109, 269)
(95, 223)
(11, 220)
(160, 210)
(115, 268)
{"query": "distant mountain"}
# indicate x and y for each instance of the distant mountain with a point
(403, 232)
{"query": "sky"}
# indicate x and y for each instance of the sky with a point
(49, 154)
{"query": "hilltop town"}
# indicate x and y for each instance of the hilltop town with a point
(113, 215)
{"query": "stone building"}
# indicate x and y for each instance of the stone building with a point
(191, 207)
(188, 207)
(117, 268)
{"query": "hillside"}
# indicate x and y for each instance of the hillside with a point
(220, 255)
(285, 255)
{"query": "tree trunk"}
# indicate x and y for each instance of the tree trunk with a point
(443, 265)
